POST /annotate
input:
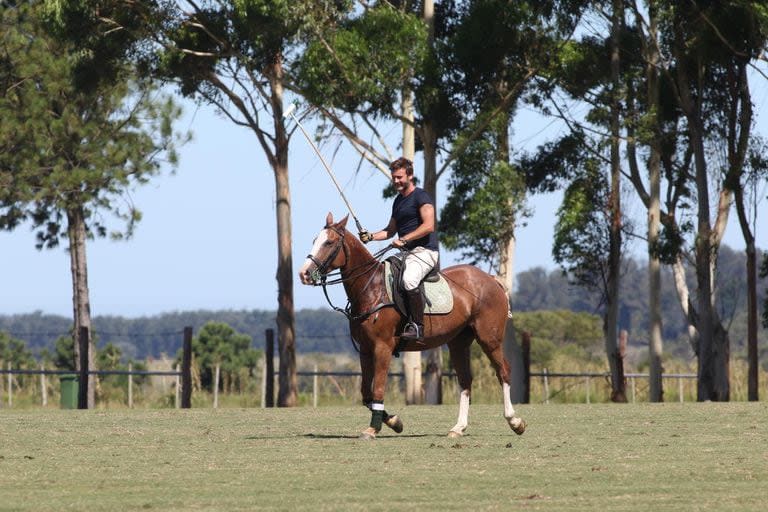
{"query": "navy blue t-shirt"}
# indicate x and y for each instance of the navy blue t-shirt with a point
(405, 211)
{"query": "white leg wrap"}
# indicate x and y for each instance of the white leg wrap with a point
(509, 410)
(463, 421)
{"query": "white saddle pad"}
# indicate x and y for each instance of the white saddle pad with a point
(439, 297)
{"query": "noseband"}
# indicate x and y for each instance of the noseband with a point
(322, 267)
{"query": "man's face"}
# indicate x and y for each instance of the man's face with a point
(400, 180)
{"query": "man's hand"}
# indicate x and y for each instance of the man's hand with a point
(365, 236)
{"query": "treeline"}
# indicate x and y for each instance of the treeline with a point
(317, 330)
(322, 330)
(538, 289)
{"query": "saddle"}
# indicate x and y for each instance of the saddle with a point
(438, 299)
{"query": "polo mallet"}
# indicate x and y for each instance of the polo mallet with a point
(289, 112)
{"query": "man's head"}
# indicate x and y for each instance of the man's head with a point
(402, 175)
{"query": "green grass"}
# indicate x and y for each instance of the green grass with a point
(693, 456)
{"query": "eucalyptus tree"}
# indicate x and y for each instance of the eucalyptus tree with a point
(711, 47)
(586, 70)
(237, 56)
(493, 51)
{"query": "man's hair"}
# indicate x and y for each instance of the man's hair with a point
(402, 163)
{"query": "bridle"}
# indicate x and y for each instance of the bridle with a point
(319, 275)
(321, 268)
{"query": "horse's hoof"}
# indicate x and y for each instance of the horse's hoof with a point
(520, 428)
(454, 435)
(395, 423)
(368, 434)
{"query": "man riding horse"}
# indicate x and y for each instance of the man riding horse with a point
(413, 220)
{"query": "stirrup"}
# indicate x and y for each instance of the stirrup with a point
(412, 331)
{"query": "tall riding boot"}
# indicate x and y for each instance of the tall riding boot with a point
(414, 329)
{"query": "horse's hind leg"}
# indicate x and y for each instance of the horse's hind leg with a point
(491, 343)
(459, 349)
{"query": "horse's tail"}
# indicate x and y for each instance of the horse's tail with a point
(506, 292)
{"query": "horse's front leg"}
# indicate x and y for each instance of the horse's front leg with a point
(366, 390)
(382, 355)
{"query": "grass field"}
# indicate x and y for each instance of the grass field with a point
(693, 456)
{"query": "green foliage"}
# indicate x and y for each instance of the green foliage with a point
(492, 44)
(75, 146)
(365, 62)
(15, 352)
(111, 388)
(64, 353)
(219, 344)
(581, 232)
(554, 163)
(577, 335)
(486, 197)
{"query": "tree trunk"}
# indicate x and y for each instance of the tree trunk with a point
(433, 386)
(610, 321)
(736, 170)
(752, 316)
(286, 320)
(411, 360)
(711, 361)
(512, 349)
(81, 304)
(655, 346)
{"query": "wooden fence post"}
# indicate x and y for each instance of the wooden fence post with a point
(130, 386)
(314, 389)
(586, 383)
(270, 367)
(216, 377)
(177, 388)
(433, 381)
(186, 370)
(82, 397)
(526, 346)
(546, 387)
(10, 386)
(43, 386)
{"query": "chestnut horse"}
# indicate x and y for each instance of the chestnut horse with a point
(480, 309)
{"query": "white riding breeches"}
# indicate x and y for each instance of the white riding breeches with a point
(418, 263)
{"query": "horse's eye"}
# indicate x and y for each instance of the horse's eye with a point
(327, 243)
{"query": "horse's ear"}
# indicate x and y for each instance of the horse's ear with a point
(329, 219)
(343, 222)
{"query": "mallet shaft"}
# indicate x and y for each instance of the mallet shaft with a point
(289, 112)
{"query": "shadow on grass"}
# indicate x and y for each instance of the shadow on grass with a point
(380, 436)
(336, 436)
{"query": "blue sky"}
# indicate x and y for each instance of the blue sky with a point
(208, 236)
